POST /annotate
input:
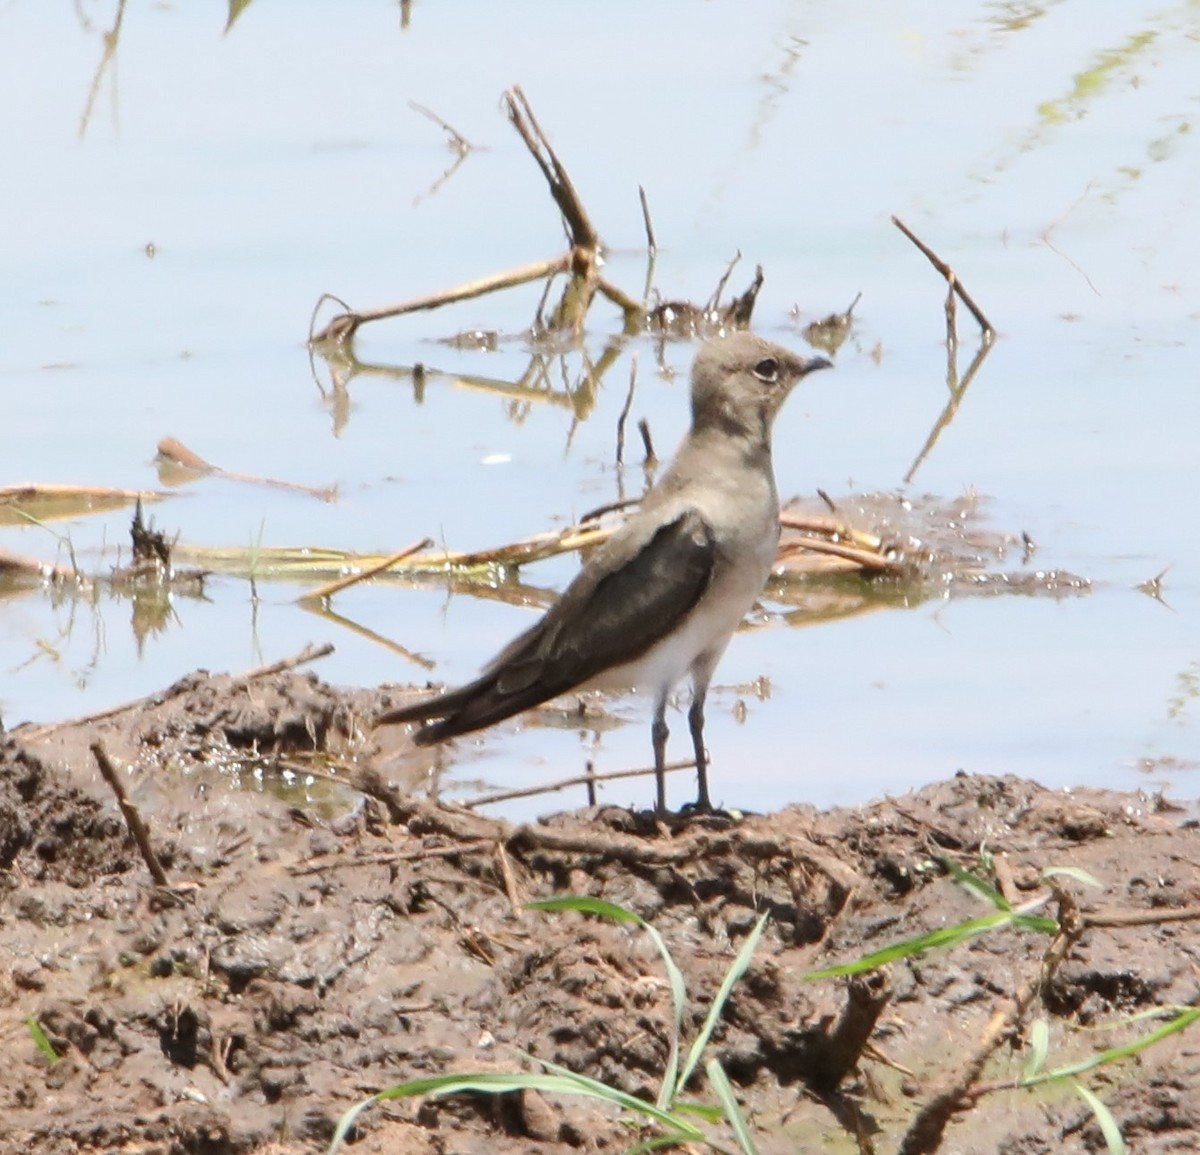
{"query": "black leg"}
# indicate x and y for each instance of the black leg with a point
(659, 734)
(696, 725)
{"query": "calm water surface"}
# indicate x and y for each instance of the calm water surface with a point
(173, 213)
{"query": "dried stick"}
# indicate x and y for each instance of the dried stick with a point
(345, 325)
(625, 412)
(133, 818)
(31, 567)
(651, 243)
(864, 559)
(331, 588)
(326, 612)
(510, 880)
(989, 332)
(458, 142)
(957, 392)
(634, 311)
(1121, 918)
(389, 858)
(564, 783)
(715, 299)
(579, 226)
(176, 453)
(310, 653)
(651, 458)
(844, 1043)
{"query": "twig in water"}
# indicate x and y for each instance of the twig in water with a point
(458, 142)
(343, 327)
(580, 229)
(955, 284)
(651, 243)
(625, 412)
(310, 653)
(957, 392)
(651, 458)
(174, 452)
(715, 299)
(588, 780)
(331, 588)
(133, 818)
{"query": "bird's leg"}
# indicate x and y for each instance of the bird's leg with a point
(702, 672)
(658, 735)
(696, 725)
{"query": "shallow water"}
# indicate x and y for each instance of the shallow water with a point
(1047, 152)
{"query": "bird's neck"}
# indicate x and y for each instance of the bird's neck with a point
(730, 457)
(721, 437)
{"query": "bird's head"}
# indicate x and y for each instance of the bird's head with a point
(740, 381)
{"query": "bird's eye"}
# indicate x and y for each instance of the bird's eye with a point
(767, 370)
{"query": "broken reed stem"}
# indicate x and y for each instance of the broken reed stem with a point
(866, 997)
(633, 310)
(510, 880)
(333, 587)
(458, 142)
(579, 226)
(172, 450)
(310, 653)
(625, 411)
(650, 459)
(133, 818)
(651, 243)
(715, 299)
(955, 284)
(565, 783)
(864, 559)
(1120, 918)
(31, 567)
(345, 325)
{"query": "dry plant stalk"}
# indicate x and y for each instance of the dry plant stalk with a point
(131, 814)
(173, 452)
(580, 264)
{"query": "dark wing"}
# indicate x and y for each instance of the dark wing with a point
(629, 596)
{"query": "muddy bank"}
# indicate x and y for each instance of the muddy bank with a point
(319, 940)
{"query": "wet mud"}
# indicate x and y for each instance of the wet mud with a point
(326, 934)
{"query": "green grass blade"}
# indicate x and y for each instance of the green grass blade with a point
(658, 1143)
(705, 1111)
(947, 937)
(735, 972)
(974, 883)
(1039, 1047)
(724, 1091)
(582, 904)
(667, 1090)
(1109, 1128)
(39, 1037)
(559, 1082)
(1116, 1054)
(345, 1123)
(586, 1086)
(1075, 872)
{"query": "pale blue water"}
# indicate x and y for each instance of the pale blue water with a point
(281, 160)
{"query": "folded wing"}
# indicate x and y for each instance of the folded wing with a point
(636, 590)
